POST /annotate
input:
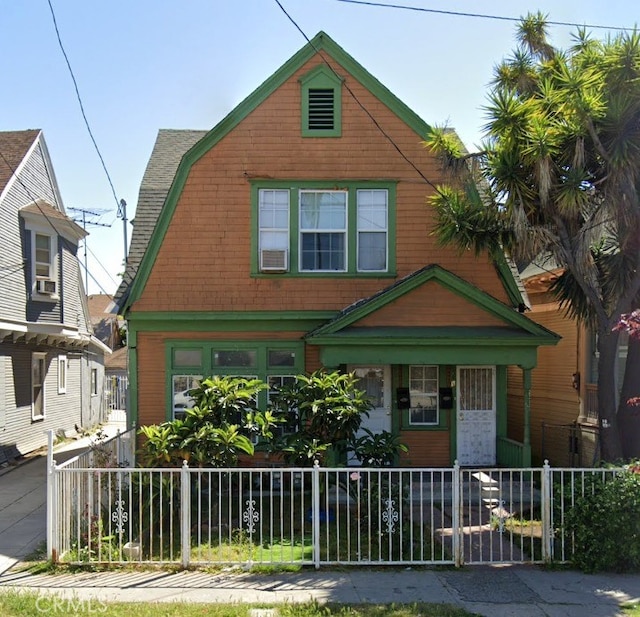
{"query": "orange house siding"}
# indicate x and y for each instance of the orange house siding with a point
(204, 261)
(151, 347)
(553, 398)
(433, 304)
(426, 448)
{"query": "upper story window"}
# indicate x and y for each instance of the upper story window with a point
(321, 96)
(314, 229)
(47, 229)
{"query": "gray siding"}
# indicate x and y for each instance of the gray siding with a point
(20, 433)
(34, 183)
(71, 289)
(3, 401)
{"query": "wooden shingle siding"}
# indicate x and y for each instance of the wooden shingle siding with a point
(207, 247)
(426, 448)
(433, 304)
(553, 399)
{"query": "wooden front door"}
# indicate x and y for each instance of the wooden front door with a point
(476, 416)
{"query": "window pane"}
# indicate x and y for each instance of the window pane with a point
(423, 386)
(372, 210)
(274, 209)
(278, 357)
(181, 398)
(278, 240)
(323, 210)
(240, 358)
(372, 251)
(187, 357)
(323, 251)
(276, 382)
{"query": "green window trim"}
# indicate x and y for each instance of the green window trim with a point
(351, 187)
(261, 370)
(443, 414)
(321, 102)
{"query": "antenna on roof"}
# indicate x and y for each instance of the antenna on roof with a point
(85, 222)
(122, 214)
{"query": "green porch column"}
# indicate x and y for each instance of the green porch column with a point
(526, 386)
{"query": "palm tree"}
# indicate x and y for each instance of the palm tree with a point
(558, 175)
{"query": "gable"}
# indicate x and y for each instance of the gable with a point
(412, 293)
(430, 304)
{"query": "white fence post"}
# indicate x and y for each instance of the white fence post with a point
(547, 522)
(456, 509)
(315, 513)
(185, 513)
(52, 545)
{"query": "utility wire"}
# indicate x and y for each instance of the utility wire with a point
(84, 115)
(35, 200)
(479, 15)
(102, 266)
(360, 104)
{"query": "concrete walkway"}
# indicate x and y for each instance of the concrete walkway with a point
(23, 494)
(498, 591)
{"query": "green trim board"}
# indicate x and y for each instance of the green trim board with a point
(449, 281)
(351, 186)
(428, 352)
(321, 78)
(320, 43)
(229, 321)
(260, 368)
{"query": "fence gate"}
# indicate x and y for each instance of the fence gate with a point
(116, 387)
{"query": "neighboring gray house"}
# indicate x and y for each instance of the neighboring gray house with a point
(51, 365)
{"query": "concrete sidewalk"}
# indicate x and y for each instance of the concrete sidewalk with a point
(496, 591)
(499, 591)
(23, 494)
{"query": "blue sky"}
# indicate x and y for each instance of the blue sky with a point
(142, 65)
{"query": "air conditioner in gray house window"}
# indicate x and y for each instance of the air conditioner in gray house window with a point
(273, 260)
(46, 287)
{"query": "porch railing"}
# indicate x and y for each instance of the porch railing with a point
(317, 516)
(512, 453)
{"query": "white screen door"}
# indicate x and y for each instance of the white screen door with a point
(476, 416)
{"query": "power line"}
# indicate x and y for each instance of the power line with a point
(479, 15)
(84, 115)
(49, 220)
(360, 104)
(102, 266)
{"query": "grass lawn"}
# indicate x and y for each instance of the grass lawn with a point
(30, 604)
(633, 610)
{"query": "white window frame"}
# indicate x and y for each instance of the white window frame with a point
(425, 393)
(279, 429)
(94, 382)
(63, 367)
(40, 230)
(271, 234)
(371, 229)
(344, 231)
(41, 359)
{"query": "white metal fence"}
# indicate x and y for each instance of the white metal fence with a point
(318, 516)
(115, 389)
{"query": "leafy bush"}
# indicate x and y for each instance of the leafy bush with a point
(605, 524)
(327, 410)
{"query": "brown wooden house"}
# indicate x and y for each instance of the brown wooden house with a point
(297, 234)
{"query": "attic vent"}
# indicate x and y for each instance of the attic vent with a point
(321, 109)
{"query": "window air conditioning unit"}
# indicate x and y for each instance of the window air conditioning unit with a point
(46, 287)
(273, 260)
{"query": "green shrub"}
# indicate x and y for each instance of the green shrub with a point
(605, 524)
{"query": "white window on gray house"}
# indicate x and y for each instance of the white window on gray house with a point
(38, 376)
(94, 381)
(62, 374)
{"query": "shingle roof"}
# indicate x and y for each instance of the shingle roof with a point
(170, 146)
(14, 146)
